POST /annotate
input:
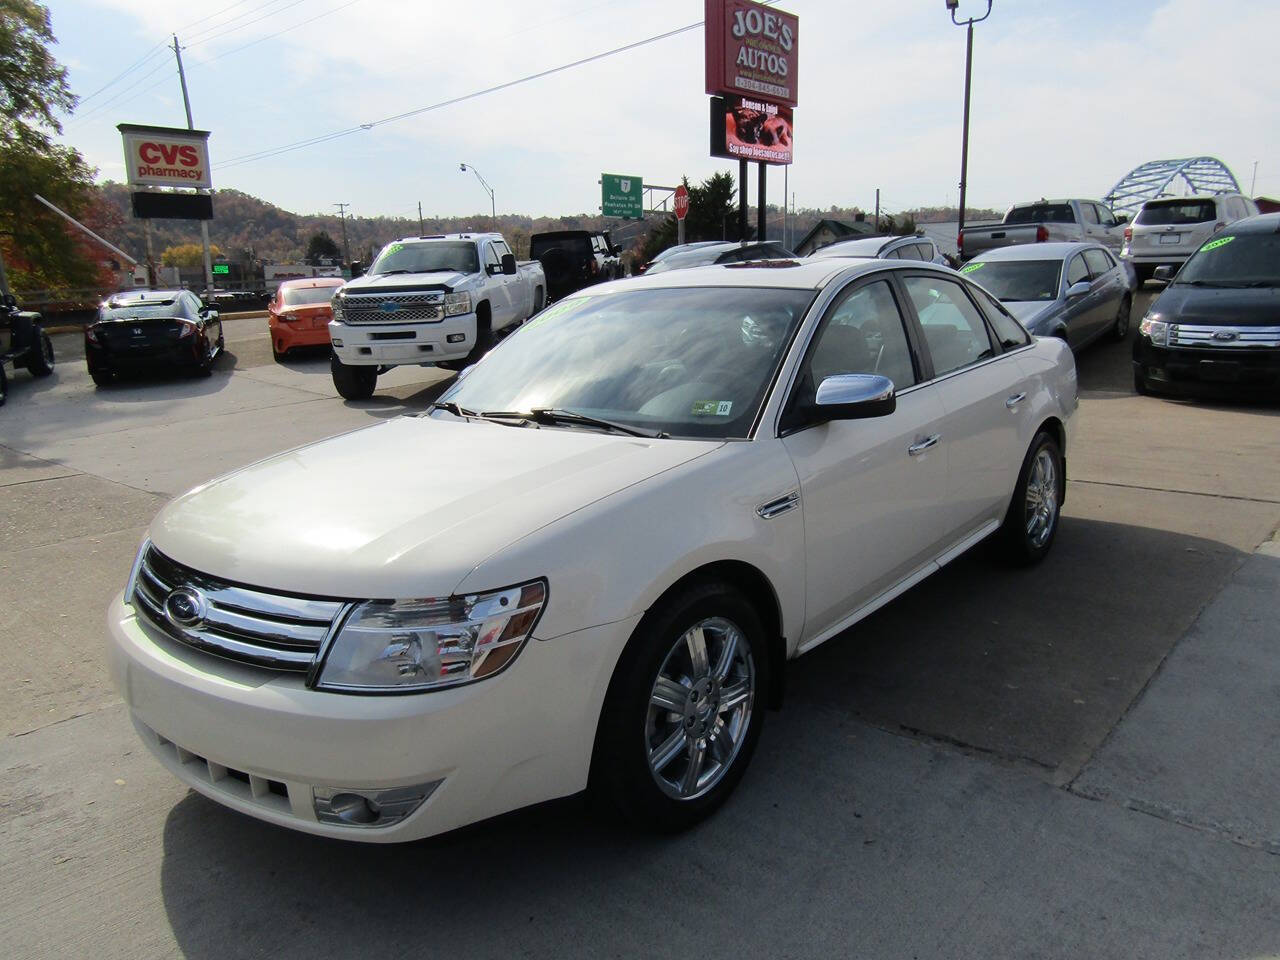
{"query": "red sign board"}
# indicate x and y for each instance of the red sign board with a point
(752, 50)
(745, 129)
(682, 202)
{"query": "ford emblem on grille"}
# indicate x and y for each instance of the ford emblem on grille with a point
(186, 607)
(389, 306)
(1226, 336)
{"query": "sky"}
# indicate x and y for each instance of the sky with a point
(1068, 96)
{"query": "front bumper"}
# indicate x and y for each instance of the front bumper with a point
(261, 742)
(1219, 370)
(392, 344)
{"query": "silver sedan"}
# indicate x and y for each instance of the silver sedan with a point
(1078, 292)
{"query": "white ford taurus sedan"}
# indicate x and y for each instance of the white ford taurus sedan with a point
(587, 565)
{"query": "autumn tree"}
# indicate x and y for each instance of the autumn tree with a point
(188, 255)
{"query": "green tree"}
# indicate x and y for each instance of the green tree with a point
(713, 215)
(321, 246)
(41, 250)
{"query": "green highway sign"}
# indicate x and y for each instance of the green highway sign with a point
(222, 268)
(622, 196)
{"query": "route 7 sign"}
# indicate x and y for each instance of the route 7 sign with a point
(622, 196)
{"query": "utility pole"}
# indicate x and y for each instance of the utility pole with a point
(421, 229)
(968, 76)
(1254, 182)
(204, 224)
(877, 224)
(342, 216)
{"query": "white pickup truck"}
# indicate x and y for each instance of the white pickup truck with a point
(440, 299)
(1047, 221)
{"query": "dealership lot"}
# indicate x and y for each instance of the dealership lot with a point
(1076, 759)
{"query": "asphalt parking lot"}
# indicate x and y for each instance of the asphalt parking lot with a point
(1077, 760)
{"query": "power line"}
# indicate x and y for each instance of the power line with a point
(247, 23)
(150, 54)
(272, 36)
(199, 35)
(119, 96)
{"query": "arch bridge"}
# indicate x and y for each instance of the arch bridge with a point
(1154, 178)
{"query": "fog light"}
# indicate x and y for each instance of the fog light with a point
(455, 337)
(369, 808)
(337, 342)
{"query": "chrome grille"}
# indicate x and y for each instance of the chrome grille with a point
(274, 630)
(392, 307)
(1194, 335)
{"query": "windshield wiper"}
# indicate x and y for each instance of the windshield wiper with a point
(450, 407)
(497, 416)
(1206, 283)
(388, 273)
(554, 415)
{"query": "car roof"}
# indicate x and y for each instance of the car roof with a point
(780, 274)
(451, 236)
(138, 296)
(1260, 223)
(311, 282)
(1036, 251)
(567, 234)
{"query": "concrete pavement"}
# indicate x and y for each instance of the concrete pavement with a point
(1078, 760)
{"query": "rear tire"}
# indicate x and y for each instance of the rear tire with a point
(1031, 522)
(677, 731)
(101, 377)
(4, 384)
(353, 382)
(1120, 330)
(1142, 273)
(40, 359)
(278, 355)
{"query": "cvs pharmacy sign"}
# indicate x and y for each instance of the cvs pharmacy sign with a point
(166, 156)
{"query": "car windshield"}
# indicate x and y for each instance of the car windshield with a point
(869, 247)
(1235, 260)
(433, 256)
(691, 362)
(1017, 280)
(1177, 212)
(301, 296)
(1041, 213)
(142, 308)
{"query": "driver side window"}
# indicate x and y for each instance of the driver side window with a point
(862, 333)
(490, 257)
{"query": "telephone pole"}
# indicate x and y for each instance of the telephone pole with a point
(421, 229)
(204, 224)
(342, 216)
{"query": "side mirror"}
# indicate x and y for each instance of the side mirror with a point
(1121, 218)
(1078, 290)
(1165, 272)
(509, 264)
(853, 396)
(357, 269)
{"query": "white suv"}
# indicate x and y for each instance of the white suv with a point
(1170, 229)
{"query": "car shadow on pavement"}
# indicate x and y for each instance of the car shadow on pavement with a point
(1029, 668)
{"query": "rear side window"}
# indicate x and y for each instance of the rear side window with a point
(953, 328)
(1164, 213)
(1098, 262)
(1009, 331)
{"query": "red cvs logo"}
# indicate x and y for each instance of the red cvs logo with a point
(170, 154)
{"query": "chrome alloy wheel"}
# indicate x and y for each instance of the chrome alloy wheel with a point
(1042, 498)
(700, 708)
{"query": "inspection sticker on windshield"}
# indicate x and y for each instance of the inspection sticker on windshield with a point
(712, 408)
(555, 310)
(1215, 244)
(970, 267)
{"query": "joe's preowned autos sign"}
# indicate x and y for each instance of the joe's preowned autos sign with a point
(752, 50)
(166, 156)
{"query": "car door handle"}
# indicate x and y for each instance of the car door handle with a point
(1016, 399)
(921, 446)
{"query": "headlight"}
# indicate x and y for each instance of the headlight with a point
(456, 304)
(396, 646)
(339, 312)
(1157, 331)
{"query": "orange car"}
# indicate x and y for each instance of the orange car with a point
(299, 314)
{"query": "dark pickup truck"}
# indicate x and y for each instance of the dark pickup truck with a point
(573, 259)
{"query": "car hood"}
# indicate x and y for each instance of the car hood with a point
(381, 283)
(1031, 313)
(403, 509)
(1181, 303)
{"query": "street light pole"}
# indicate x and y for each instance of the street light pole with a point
(493, 206)
(952, 5)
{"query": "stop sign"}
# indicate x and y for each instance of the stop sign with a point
(682, 202)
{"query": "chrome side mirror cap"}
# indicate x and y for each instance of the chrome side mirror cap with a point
(1164, 272)
(854, 396)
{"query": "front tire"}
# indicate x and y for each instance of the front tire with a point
(353, 382)
(1031, 522)
(1140, 383)
(40, 361)
(684, 710)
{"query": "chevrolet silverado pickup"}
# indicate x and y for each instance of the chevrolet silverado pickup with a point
(441, 299)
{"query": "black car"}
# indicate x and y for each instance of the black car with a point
(23, 342)
(573, 259)
(722, 253)
(149, 329)
(1216, 327)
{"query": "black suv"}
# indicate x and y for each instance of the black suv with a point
(573, 259)
(1216, 327)
(23, 342)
